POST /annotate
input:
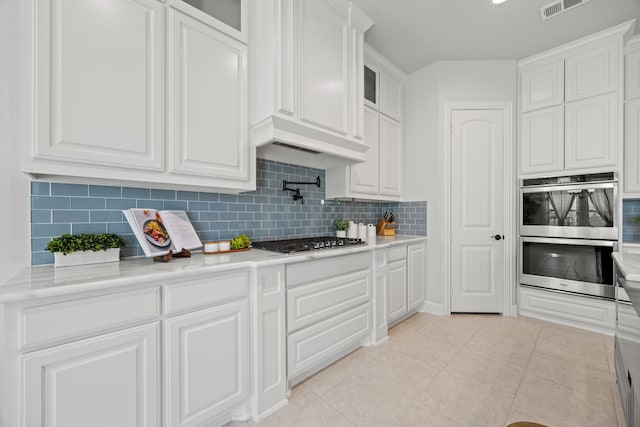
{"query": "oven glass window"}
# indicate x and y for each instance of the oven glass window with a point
(569, 208)
(581, 263)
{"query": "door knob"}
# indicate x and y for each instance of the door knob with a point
(498, 237)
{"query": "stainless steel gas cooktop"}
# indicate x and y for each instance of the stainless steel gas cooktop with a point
(307, 244)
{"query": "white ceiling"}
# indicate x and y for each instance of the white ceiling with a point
(416, 33)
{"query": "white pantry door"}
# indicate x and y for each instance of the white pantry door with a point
(477, 174)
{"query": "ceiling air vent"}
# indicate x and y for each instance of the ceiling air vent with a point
(558, 7)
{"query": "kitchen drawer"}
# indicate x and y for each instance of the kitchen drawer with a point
(55, 323)
(310, 347)
(321, 269)
(320, 300)
(396, 253)
(622, 378)
(206, 291)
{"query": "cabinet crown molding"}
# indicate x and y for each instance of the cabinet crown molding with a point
(624, 30)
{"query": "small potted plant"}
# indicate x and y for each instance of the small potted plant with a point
(87, 248)
(341, 226)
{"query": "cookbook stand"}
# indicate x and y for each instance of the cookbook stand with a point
(167, 257)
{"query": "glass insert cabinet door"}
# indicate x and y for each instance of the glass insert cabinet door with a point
(569, 207)
(229, 16)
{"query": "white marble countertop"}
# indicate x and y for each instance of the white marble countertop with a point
(47, 281)
(629, 266)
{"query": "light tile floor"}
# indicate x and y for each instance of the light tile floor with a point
(464, 370)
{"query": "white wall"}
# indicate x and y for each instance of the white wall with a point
(427, 91)
(14, 186)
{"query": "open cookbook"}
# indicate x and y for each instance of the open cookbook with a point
(159, 232)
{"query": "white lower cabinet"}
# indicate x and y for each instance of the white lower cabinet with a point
(405, 275)
(207, 363)
(328, 311)
(416, 275)
(397, 290)
(110, 380)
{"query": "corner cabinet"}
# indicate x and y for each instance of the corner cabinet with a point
(570, 104)
(151, 92)
(379, 177)
(306, 75)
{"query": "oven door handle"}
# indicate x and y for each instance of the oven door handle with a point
(576, 187)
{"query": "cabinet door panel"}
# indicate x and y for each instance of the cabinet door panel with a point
(208, 76)
(111, 380)
(632, 75)
(541, 86)
(416, 275)
(592, 71)
(207, 363)
(390, 157)
(324, 67)
(365, 176)
(632, 149)
(396, 290)
(591, 132)
(99, 83)
(542, 141)
(390, 96)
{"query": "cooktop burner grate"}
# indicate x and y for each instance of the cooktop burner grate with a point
(306, 244)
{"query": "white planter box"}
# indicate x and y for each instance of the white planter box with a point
(86, 257)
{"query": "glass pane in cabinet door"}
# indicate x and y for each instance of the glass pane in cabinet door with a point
(227, 11)
(369, 84)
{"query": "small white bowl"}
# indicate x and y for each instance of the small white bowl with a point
(224, 245)
(211, 247)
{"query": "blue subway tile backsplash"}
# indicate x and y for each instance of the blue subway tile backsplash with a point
(264, 214)
(630, 211)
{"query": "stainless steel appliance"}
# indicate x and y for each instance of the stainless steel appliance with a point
(306, 244)
(579, 206)
(573, 265)
(568, 231)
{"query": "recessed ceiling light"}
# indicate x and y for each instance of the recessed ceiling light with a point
(498, 1)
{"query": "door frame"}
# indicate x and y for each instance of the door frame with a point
(509, 306)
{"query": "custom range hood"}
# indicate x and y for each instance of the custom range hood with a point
(306, 73)
(286, 141)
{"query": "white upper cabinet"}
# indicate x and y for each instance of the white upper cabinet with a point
(591, 138)
(541, 86)
(390, 156)
(306, 75)
(99, 83)
(570, 105)
(364, 176)
(542, 140)
(229, 16)
(632, 118)
(208, 101)
(114, 104)
(632, 69)
(379, 177)
(324, 66)
(592, 70)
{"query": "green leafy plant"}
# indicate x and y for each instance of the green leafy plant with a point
(68, 243)
(240, 242)
(340, 224)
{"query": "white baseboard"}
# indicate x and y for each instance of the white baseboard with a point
(270, 411)
(433, 308)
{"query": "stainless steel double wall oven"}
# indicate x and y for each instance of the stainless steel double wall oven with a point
(568, 231)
